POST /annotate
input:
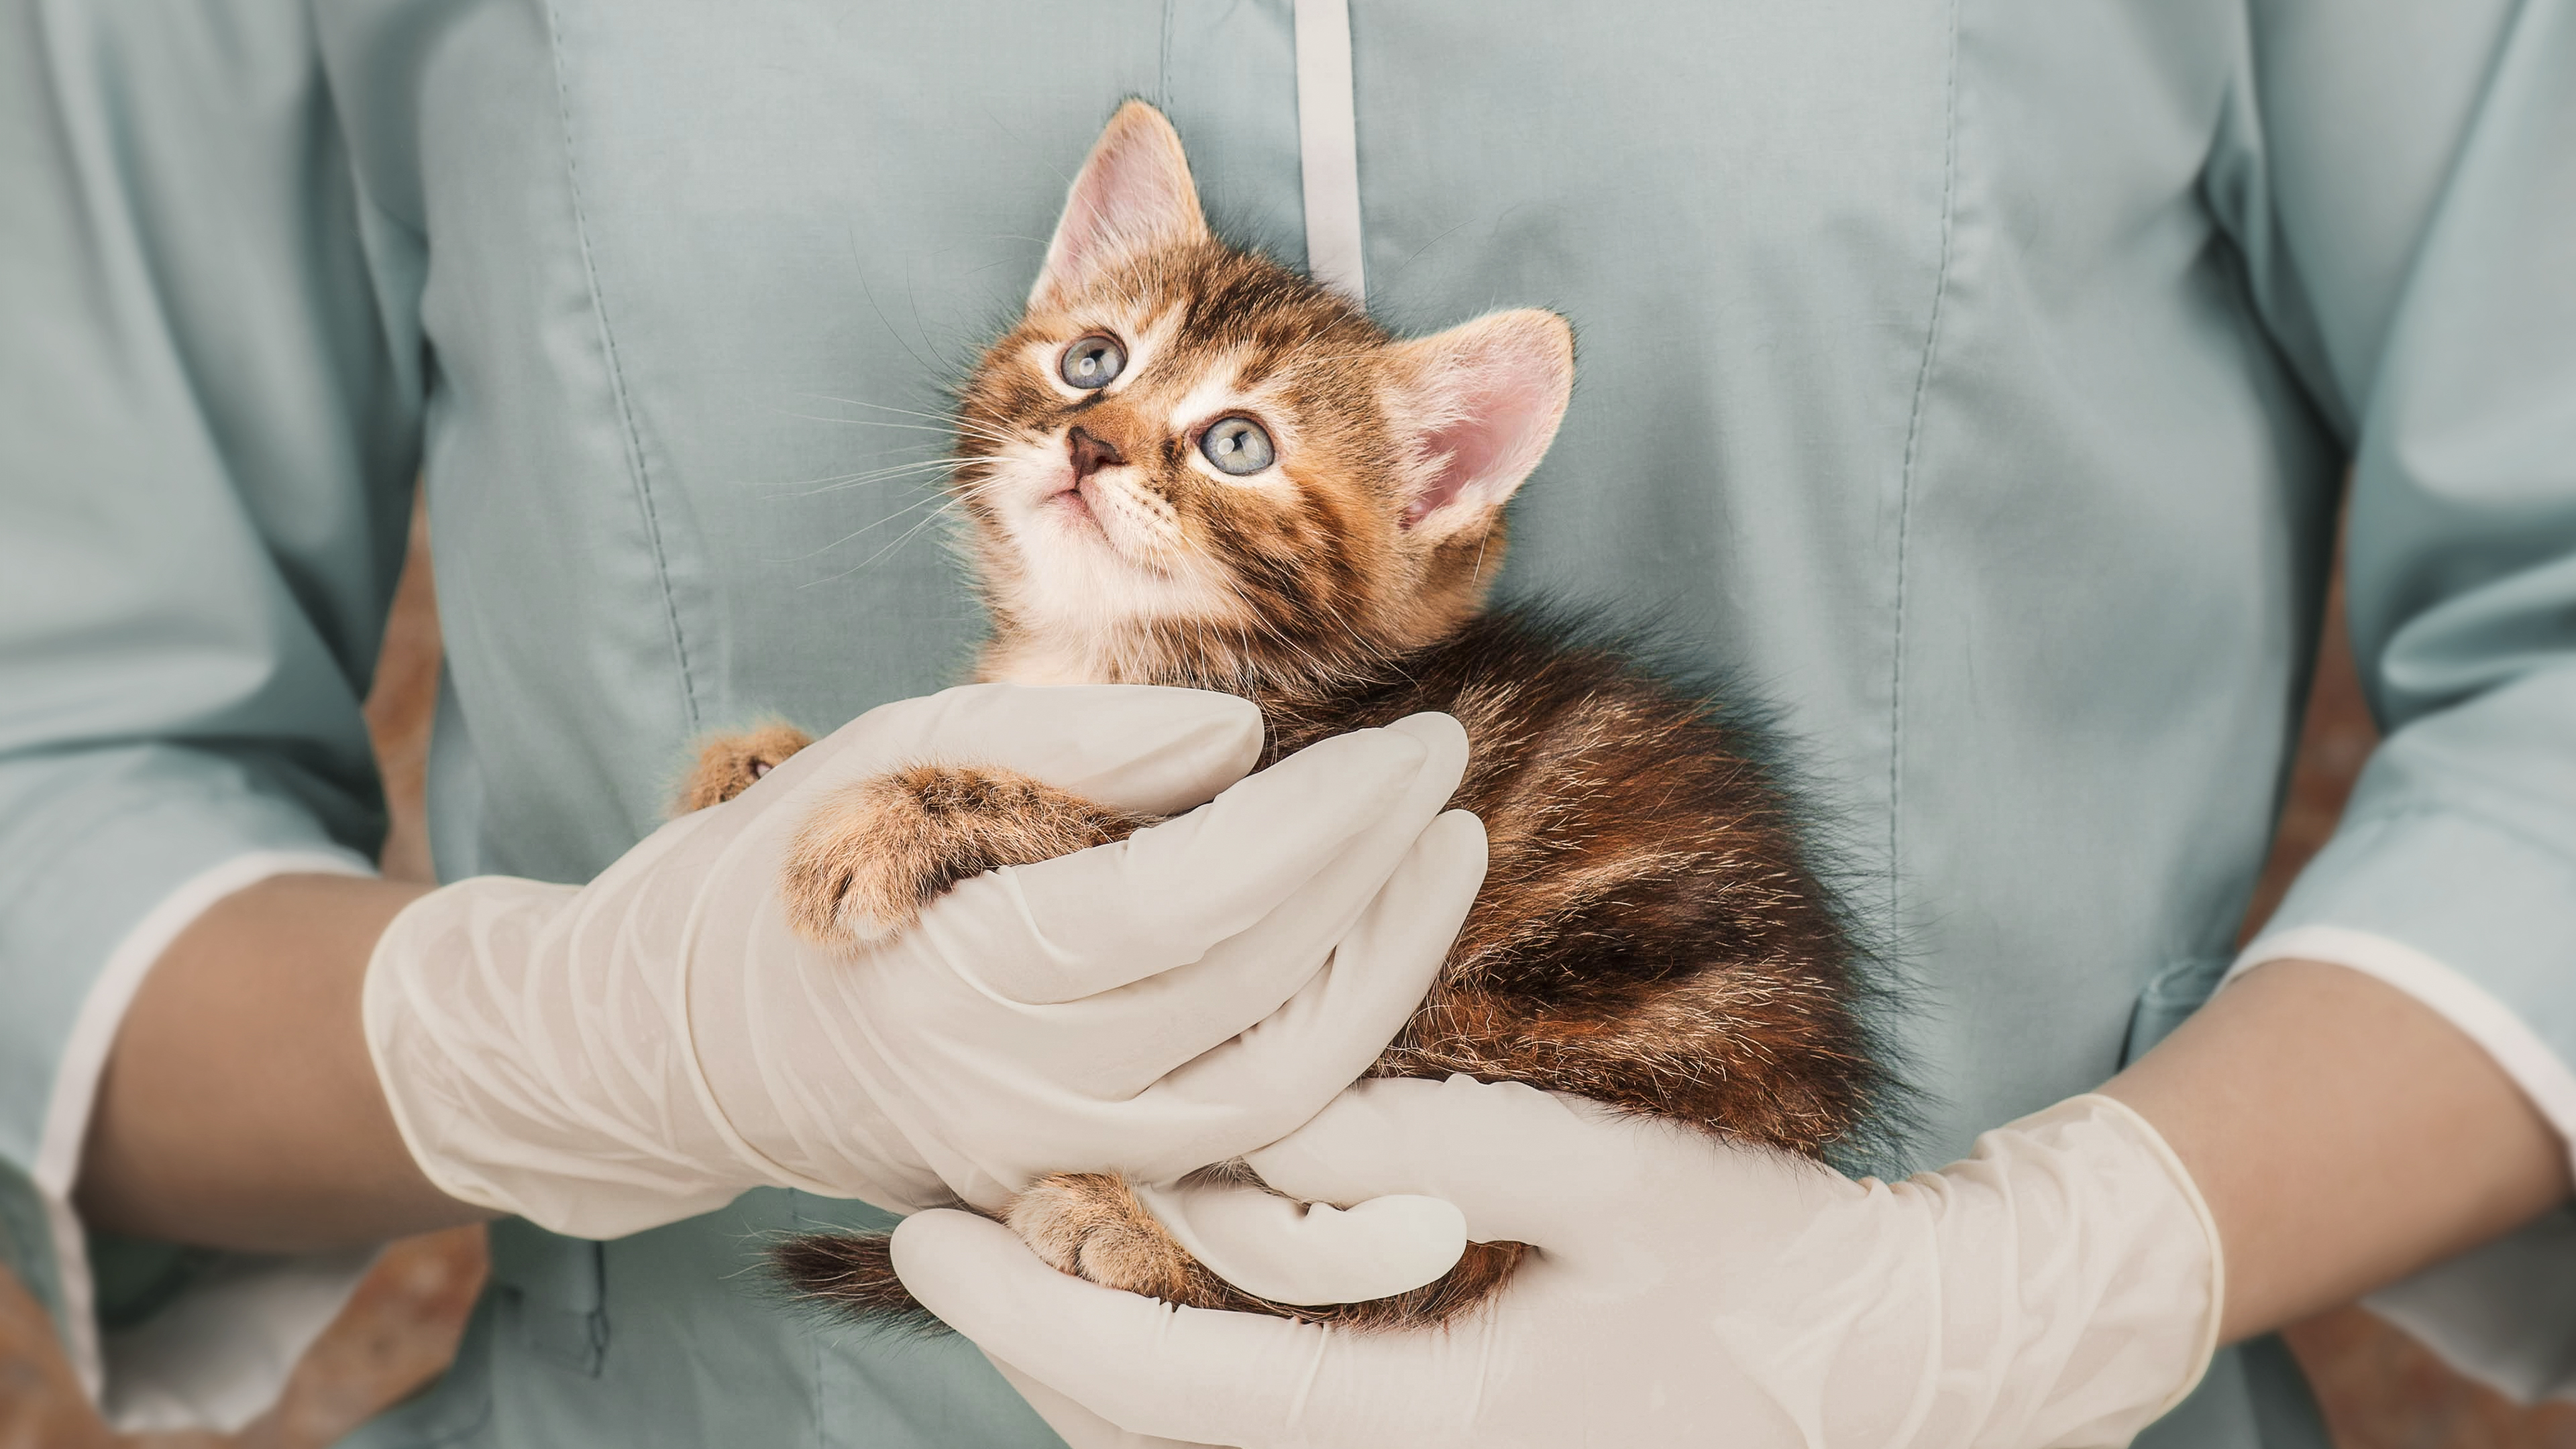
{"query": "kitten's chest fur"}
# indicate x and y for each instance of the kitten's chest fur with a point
(1649, 933)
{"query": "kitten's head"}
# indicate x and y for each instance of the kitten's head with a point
(1187, 463)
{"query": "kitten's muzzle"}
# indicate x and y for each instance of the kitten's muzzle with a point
(1090, 454)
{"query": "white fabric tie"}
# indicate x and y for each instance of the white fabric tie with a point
(1328, 146)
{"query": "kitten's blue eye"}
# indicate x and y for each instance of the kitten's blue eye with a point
(1237, 446)
(1095, 361)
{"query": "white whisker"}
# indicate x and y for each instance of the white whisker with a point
(925, 501)
(907, 536)
(810, 487)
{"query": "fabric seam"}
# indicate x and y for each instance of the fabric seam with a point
(1163, 61)
(2399, 812)
(1905, 474)
(635, 467)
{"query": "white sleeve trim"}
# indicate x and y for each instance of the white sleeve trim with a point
(2537, 1070)
(84, 1058)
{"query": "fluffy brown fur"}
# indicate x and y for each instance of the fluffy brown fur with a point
(1648, 934)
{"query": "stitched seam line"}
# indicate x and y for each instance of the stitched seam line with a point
(1905, 477)
(1163, 62)
(635, 470)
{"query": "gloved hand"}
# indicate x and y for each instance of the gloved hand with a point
(606, 1058)
(2060, 1287)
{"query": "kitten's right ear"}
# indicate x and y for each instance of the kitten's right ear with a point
(1134, 195)
(1481, 407)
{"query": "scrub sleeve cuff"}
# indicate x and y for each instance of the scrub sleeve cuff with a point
(187, 1367)
(2478, 923)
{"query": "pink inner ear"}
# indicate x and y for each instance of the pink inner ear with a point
(1123, 205)
(1503, 399)
(1472, 449)
(1134, 194)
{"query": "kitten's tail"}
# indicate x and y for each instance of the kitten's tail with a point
(853, 1274)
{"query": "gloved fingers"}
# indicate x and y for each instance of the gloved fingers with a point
(1255, 1087)
(1077, 1426)
(1522, 1165)
(1141, 748)
(1392, 900)
(1181, 1373)
(1310, 1253)
(1088, 1079)
(1344, 810)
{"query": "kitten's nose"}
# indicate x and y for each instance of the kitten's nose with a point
(1090, 454)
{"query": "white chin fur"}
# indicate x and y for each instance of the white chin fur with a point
(1081, 572)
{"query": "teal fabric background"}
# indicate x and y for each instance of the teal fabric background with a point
(1974, 379)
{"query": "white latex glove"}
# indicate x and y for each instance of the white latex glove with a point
(606, 1058)
(2059, 1287)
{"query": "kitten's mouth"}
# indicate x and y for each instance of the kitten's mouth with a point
(1074, 502)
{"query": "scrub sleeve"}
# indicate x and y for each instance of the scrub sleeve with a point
(2405, 193)
(208, 430)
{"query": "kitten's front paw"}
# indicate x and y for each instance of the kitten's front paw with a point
(730, 764)
(875, 852)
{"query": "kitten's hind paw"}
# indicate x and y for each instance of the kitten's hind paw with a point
(877, 851)
(1089, 1224)
(730, 764)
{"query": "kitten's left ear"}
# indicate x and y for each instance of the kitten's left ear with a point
(1482, 405)
(1133, 196)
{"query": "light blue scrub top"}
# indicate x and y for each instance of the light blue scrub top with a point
(1976, 378)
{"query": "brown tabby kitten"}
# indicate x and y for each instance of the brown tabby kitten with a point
(1187, 465)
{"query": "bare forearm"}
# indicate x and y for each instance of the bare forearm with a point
(2343, 1134)
(239, 1108)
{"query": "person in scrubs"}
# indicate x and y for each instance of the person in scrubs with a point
(1983, 382)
